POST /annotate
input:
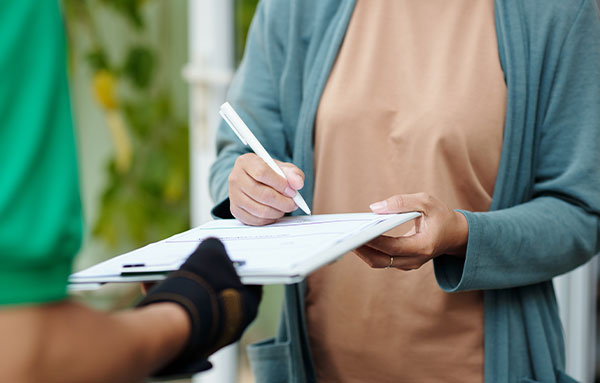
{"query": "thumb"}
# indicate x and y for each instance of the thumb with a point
(399, 203)
(294, 175)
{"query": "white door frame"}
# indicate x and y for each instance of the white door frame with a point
(209, 72)
(576, 294)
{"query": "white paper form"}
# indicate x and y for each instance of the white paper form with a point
(283, 244)
(288, 246)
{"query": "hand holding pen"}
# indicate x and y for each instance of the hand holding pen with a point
(261, 190)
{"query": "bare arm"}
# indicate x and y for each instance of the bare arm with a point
(68, 342)
(198, 309)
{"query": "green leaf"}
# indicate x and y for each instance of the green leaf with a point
(139, 66)
(97, 59)
(128, 8)
(244, 12)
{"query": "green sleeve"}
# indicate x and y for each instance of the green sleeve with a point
(40, 213)
(559, 228)
(255, 95)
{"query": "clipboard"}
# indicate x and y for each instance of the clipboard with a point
(281, 253)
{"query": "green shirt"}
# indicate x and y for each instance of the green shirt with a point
(40, 212)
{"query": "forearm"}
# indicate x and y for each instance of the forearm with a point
(68, 342)
(523, 245)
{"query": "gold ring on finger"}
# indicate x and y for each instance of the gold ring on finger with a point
(391, 263)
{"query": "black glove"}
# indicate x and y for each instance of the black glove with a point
(220, 307)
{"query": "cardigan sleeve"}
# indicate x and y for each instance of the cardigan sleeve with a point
(254, 95)
(558, 229)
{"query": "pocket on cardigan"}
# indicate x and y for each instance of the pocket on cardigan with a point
(561, 377)
(270, 361)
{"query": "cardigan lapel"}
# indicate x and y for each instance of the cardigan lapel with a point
(316, 80)
(515, 171)
(322, 65)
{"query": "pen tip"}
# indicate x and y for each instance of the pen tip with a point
(306, 209)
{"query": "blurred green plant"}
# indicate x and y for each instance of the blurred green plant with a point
(244, 11)
(146, 196)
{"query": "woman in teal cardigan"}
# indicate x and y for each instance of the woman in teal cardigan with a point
(543, 219)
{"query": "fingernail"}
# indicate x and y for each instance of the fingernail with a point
(378, 205)
(289, 192)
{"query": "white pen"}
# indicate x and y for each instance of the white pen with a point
(245, 135)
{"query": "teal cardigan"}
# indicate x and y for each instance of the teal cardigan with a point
(544, 216)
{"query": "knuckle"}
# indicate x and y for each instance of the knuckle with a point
(289, 205)
(254, 220)
(261, 174)
(299, 173)
(233, 178)
(425, 250)
(234, 198)
(241, 161)
(396, 250)
(247, 157)
(397, 201)
(430, 200)
(237, 213)
(276, 182)
(238, 163)
(265, 221)
(264, 212)
(426, 199)
(254, 209)
(429, 251)
(267, 196)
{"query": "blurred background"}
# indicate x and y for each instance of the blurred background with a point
(147, 77)
(132, 78)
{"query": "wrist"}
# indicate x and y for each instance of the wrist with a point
(176, 323)
(187, 293)
(159, 332)
(177, 319)
(184, 292)
(460, 235)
